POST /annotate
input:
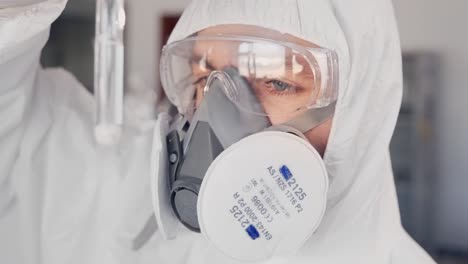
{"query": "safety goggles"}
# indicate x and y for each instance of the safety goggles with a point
(284, 77)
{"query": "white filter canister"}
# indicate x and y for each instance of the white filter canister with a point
(263, 197)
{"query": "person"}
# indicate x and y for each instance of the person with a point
(64, 199)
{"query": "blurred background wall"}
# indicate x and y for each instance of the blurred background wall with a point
(441, 27)
(432, 180)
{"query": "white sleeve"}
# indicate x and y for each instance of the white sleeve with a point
(23, 20)
(24, 27)
(17, 3)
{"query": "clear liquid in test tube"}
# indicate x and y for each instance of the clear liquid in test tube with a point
(109, 70)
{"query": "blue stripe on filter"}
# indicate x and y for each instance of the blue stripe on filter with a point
(252, 232)
(287, 175)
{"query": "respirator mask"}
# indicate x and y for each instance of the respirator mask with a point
(232, 161)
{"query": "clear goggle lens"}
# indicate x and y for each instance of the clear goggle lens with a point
(285, 78)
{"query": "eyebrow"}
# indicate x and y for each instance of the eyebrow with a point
(307, 70)
(196, 60)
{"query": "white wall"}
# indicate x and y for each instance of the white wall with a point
(442, 26)
(143, 36)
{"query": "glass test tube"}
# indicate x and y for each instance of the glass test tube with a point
(108, 70)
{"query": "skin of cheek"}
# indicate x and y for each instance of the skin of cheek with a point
(318, 136)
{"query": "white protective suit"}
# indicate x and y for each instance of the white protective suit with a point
(63, 199)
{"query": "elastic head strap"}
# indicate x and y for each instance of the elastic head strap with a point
(312, 118)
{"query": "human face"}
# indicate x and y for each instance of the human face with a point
(291, 91)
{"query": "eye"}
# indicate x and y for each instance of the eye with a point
(279, 85)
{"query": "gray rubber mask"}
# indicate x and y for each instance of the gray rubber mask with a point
(217, 123)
